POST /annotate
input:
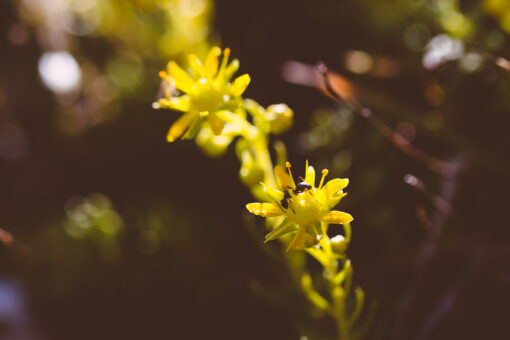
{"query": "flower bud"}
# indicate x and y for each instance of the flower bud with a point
(212, 145)
(339, 244)
(279, 117)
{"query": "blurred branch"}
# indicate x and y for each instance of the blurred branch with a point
(439, 203)
(307, 75)
(442, 202)
(341, 93)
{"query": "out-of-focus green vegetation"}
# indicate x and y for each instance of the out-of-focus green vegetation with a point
(109, 232)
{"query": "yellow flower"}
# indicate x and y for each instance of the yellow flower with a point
(303, 205)
(206, 91)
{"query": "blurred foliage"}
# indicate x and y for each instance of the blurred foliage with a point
(434, 71)
(131, 37)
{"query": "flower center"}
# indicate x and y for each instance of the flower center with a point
(206, 95)
(303, 209)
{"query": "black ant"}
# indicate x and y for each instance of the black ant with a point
(302, 186)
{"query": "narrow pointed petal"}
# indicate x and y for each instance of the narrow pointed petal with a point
(193, 128)
(180, 125)
(196, 66)
(217, 124)
(331, 201)
(264, 209)
(284, 228)
(336, 217)
(239, 85)
(335, 185)
(298, 242)
(231, 69)
(310, 175)
(181, 103)
(183, 81)
(283, 178)
(327, 193)
(273, 194)
(212, 61)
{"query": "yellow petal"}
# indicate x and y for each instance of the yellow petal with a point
(336, 217)
(283, 228)
(212, 61)
(330, 202)
(298, 242)
(217, 124)
(310, 175)
(179, 126)
(193, 128)
(181, 103)
(331, 188)
(239, 85)
(231, 69)
(196, 66)
(273, 194)
(283, 178)
(183, 81)
(264, 209)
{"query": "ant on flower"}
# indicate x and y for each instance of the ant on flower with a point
(302, 186)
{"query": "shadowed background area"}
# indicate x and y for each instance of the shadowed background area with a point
(109, 232)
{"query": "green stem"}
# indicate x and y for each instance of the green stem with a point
(261, 152)
(337, 292)
(258, 141)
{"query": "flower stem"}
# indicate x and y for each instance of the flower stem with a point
(261, 152)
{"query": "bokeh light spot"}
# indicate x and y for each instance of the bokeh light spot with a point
(59, 71)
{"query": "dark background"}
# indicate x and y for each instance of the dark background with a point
(210, 275)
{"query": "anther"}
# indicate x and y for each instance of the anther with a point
(324, 174)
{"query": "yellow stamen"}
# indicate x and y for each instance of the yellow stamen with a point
(203, 114)
(287, 164)
(163, 74)
(324, 174)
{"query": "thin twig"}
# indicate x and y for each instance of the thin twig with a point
(402, 143)
(439, 203)
(428, 248)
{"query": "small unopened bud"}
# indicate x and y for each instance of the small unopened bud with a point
(339, 244)
(279, 117)
(212, 145)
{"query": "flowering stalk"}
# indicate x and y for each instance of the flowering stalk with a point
(215, 114)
